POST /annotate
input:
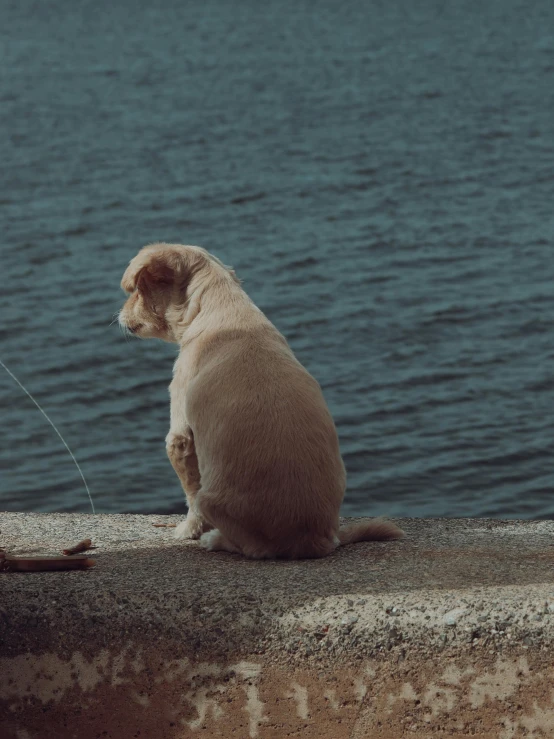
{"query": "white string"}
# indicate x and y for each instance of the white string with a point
(55, 429)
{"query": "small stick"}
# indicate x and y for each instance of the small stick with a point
(165, 525)
(82, 546)
(9, 563)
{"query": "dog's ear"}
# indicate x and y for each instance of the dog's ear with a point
(156, 272)
(162, 265)
(129, 279)
(143, 274)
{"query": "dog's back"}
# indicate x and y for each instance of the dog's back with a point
(267, 447)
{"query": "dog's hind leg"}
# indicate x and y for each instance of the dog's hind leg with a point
(230, 535)
(182, 455)
(215, 541)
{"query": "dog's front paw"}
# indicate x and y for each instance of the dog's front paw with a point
(179, 447)
(191, 528)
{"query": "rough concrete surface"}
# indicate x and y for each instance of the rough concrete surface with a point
(448, 632)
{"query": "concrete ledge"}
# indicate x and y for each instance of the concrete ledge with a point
(447, 633)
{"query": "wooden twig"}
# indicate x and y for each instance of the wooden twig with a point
(165, 525)
(82, 546)
(9, 563)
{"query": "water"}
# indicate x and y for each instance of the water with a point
(381, 176)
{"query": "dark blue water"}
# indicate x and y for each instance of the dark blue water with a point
(380, 174)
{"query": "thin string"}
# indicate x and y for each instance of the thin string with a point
(55, 429)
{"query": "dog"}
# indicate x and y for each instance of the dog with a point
(250, 438)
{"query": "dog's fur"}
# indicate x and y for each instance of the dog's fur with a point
(250, 438)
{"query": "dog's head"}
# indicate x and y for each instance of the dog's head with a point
(161, 281)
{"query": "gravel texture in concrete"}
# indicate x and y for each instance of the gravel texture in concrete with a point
(470, 601)
(449, 581)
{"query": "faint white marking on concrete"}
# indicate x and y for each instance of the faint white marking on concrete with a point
(439, 699)
(332, 698)
(90, 674)
(539, 724)
(247, 670)
(360, 689)
(452, 675)
(207, 669)
(201, 697)
(254, 707)
(406, 693)
(542, 720)
(509, 730)
(138, 663)
(255, 710)
(142, 700)
(203, 703)
(47, 677)
(174, 669)
(300, 695)
(118, 665)
(500, 684)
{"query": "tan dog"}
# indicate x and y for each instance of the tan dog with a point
(251, 438)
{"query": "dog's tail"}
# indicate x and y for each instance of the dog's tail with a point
(378, 529)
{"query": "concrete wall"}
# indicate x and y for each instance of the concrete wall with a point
(447, 633)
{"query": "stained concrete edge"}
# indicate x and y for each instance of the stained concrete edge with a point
(448, 630)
